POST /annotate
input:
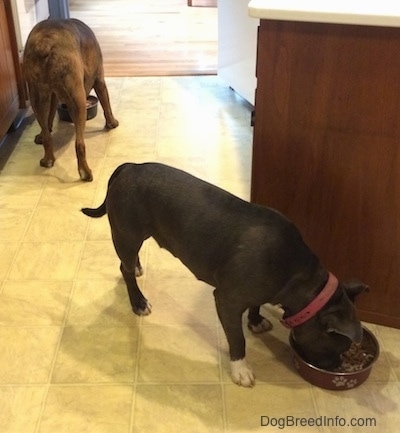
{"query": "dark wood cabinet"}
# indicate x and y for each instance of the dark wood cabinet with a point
(11, 81)
(327, 148)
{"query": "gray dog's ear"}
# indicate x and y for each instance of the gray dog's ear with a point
(354, 288)
(349, 328)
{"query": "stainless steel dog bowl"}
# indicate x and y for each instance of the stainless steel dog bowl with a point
(91, 109)
(334, 380)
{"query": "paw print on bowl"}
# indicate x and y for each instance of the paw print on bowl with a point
(342, 382)
(351, 383)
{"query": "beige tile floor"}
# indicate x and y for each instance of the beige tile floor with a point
(74, 358)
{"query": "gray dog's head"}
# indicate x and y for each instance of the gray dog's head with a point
(322, 339)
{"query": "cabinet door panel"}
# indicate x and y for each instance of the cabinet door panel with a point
(9, 100)
(326, 148)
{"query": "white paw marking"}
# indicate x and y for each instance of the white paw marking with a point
(264, 326)
(146, 311)
(138, 271)
(242, 374)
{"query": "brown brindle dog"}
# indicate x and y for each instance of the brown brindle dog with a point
(63, 63)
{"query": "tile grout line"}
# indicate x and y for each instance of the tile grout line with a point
(136, 375)
(157, 131)
(221, 378)
(315, 404)
(48, 384)
(139, 345)
(68, 306)
(384, 353)
(22, 237)
(55, 356)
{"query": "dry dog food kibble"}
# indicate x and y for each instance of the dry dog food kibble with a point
(355, 358)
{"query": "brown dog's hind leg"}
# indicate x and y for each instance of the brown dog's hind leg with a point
(52, 113)
(83, 168)
(53, 109)
(102, 93)
(41, 107)
(77, 109)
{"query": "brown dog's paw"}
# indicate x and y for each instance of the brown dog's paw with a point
(111, 125)
(86, 176)
(46, 163)
(38, 139)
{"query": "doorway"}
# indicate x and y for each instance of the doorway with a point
(152, 37)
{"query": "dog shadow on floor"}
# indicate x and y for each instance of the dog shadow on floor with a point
(64, 138)
(65, 166)
(102, 342)
(180, 368)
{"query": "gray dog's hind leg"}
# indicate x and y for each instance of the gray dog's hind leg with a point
(138, 268)
(139, 303)
(127, 250)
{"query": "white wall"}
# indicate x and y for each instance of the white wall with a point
(237, 47)
(26, 14)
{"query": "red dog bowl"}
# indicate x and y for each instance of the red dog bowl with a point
(91, 109)
(332, 380)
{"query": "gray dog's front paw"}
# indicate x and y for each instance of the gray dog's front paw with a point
(242, 374)
(143, 310)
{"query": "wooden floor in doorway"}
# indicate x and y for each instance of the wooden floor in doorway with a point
(152, 37)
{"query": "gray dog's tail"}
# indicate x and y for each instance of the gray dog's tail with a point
(102, 210)
(95, 213)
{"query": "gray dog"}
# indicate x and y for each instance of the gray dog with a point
(251, 255)
(63, 63)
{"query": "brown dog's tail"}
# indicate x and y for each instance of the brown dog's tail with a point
(102, 210)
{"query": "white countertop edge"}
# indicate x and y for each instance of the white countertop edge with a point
(271, 13)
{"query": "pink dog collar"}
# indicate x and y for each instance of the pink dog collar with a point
(314, 306)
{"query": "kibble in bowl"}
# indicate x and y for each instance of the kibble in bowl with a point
(355, 368)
